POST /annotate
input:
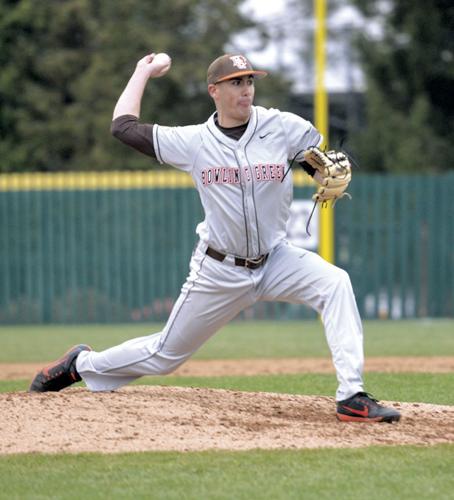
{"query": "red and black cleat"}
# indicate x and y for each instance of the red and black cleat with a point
(363, 408)
(59, 374)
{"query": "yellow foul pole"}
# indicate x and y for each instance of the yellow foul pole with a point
(326, 231)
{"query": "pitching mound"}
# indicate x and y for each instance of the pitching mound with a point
(141, 418)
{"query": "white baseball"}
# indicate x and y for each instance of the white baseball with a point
(162, 63)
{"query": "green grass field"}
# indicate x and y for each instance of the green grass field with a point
(398, 472)
(237, 340)
(372, 473)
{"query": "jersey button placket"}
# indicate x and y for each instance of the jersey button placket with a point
(240, 159)
(249, 206)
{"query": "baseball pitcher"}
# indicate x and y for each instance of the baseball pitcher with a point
(239, 160)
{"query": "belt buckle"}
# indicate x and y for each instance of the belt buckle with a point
(254, 262)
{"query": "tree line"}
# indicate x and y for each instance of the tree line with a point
(410, 84)
(65, 62)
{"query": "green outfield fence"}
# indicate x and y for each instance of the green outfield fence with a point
(115, 246)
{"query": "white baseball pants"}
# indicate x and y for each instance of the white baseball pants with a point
(215, 292)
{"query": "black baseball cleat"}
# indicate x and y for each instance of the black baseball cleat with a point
(59, 374)
(362, 407)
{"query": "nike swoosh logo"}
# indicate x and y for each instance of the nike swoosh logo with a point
(264, 135)
(362, 413)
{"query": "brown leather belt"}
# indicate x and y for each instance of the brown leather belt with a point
(249, 263)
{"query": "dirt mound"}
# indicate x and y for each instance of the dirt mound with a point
(190, 419)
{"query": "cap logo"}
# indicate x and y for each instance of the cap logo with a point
(239, 61)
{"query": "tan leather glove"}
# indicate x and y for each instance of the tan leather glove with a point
(333, 173)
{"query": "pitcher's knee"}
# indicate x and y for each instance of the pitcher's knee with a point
(340, 279)
(166, 370)
(165, 366)
(344, 277)
(339, 282)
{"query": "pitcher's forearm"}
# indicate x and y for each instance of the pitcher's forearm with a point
(130, 100)
(150, 66)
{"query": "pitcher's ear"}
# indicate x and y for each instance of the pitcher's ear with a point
(212, 89)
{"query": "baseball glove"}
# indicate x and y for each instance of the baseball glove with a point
(332, 171)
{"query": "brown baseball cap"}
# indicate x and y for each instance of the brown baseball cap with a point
(231, 66)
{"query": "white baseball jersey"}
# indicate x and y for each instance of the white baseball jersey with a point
(237, 180)
(246, 201)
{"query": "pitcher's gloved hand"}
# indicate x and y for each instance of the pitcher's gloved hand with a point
(333, 173)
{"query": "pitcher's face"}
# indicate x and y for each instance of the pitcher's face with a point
(233, 99)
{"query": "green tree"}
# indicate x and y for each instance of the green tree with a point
(65, 62)
(410, 83)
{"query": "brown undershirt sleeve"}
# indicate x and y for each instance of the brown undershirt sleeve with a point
(139, 136)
